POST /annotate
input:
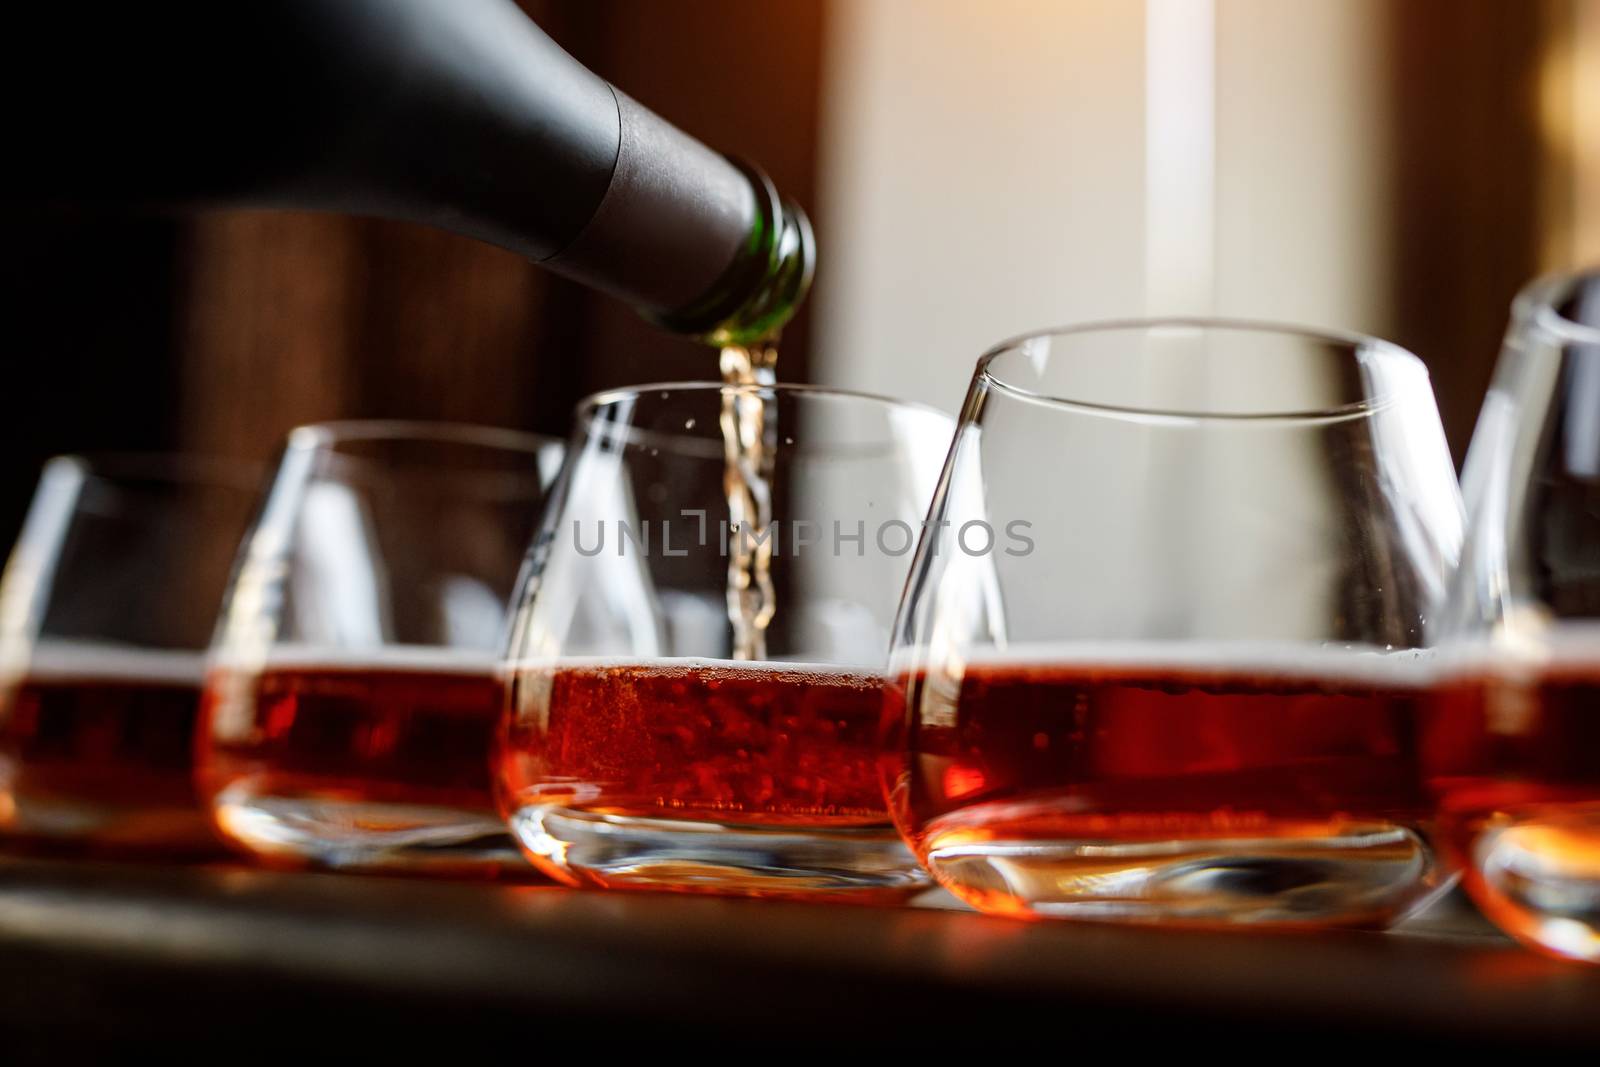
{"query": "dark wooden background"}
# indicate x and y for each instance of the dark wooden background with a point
(217, 333)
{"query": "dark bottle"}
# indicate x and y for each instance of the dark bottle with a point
(460, 114)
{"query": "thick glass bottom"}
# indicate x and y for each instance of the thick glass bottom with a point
(348, 834)
(1357, 874)
(865, 865)
(72, 826)
(1538, 878)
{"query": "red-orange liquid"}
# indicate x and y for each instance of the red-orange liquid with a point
(1126, 754)
(380, 734)
(1514, 758)
(103, 761)
(760, 746)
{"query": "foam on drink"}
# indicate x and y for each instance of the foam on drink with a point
(56, 659)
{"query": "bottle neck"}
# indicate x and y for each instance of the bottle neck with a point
(764, 285)
(697, 243)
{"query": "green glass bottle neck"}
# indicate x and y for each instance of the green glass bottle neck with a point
(765, 284)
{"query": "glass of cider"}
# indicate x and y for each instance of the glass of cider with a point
(352, 687)
(106, 607)
(1514, 746)
(697, 658)
(1194, 695)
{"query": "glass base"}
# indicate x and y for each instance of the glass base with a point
(68, 826)
(866, 865)
(1539, 880)
(1365, 875)
(366, 835)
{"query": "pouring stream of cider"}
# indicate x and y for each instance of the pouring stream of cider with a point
(748, 440)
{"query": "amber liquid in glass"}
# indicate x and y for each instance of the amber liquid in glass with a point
(1168, 792)
(1514, 758)
(768, 748)
(360, 756)
(96, 752)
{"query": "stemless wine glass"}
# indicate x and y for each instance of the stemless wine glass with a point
(353, 690)
(106, 606)
(697, 658)
(1515, 745)
(1184, 685)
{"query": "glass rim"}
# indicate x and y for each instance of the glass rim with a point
(329, 435)
(586, 407)
(197, 470)
(1351, 341)
(1536, 303)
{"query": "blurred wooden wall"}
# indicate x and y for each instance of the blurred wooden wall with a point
(1480, 196)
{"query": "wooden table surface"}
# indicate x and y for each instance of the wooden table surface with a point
(105, 956)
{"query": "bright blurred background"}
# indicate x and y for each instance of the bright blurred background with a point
(975, 170)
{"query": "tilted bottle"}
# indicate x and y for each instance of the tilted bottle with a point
(460, 114)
